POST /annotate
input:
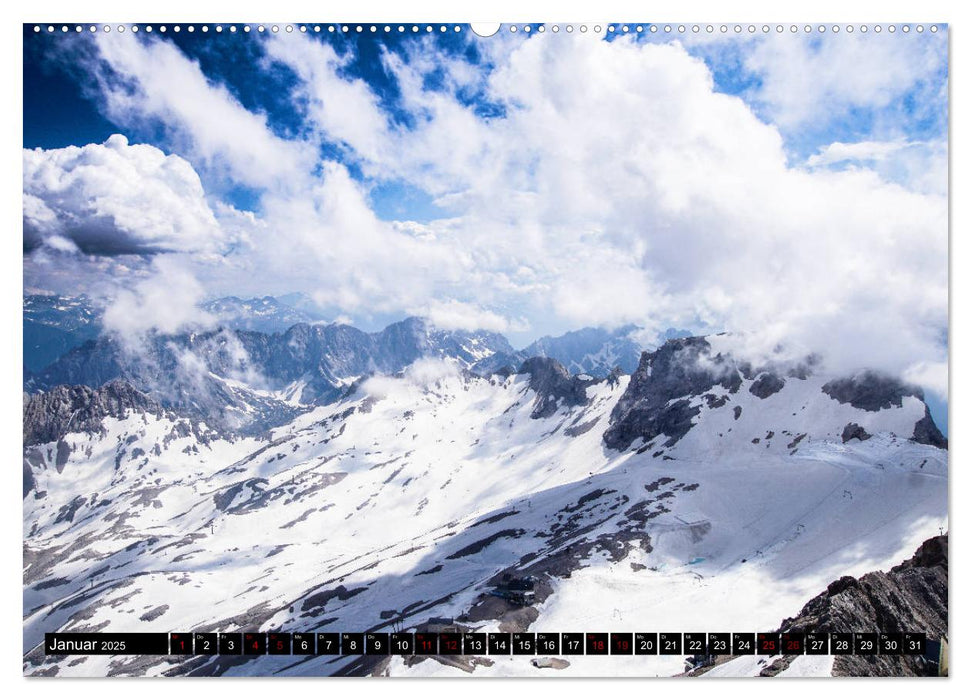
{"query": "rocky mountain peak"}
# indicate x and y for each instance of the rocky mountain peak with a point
(552, 384)
(911, 597)
(674, 383)
(657, 400)
(50, 415)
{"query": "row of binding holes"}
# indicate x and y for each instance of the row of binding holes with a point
(274, 28)
(555, 28)
(752, 29)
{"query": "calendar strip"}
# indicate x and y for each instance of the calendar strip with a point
(486, 643)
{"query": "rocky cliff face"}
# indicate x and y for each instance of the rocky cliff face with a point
(872, 391)
(265, 314)
(593, 351)
(82, 412)
(674, 384)
(554, 386)
(214, 374)
(657, 399)
(51, 415)
(911, 597)
(927, 433)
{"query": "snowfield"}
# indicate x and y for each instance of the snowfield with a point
(406, 499)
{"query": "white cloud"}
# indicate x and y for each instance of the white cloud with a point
(345, 110)
(329, 243)
(919, 165)
(806, 78)
(166, 302)
(634, 192)
(151, 80)
(456, 315)
(930, 375)
(838, 152)
(616, 186)
(116, 198)
(423, 373)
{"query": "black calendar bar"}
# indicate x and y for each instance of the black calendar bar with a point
(97, 643)
(485, 644)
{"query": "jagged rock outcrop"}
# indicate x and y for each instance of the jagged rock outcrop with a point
(266, 314)
(51, 415)
(665, 394)
(593, 351)
(657, 400)
(186, 371)
(911, 597)
(324, 354)
(553, 384)
(852, 431)
(28, 479)
(926, 432)
(871, 391)
(767, 384)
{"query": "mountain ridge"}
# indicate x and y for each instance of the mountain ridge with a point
(139, 524)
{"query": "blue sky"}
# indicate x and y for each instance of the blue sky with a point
(788, 187)
(61, 107)
(61, 104)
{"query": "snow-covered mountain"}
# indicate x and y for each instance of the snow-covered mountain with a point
(62, 323)
(68, 313)
(249, 381)
(593, 351)
(266, 314)
(55, 324)
(699, 493)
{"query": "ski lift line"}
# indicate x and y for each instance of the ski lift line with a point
(842, 547)
(769, 542)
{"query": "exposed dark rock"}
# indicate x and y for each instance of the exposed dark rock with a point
(29, 483)
(320, 599)
(583, 351)
(911, 597)
(51, 415)
(52, 583)
(324, 355)
(224, 498)
(154, 613)
(494, 518)
(737, 411)
(67, 512)
(679, 369)
(871, 391)
(927, 433)
(594, 495)
(479, 545)
(614, 376)
(766, 385)
(553, 384)
(841, 584)
(434, 570)
(854, 431)
(577, 430)
(62, 455)
(796, 440)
